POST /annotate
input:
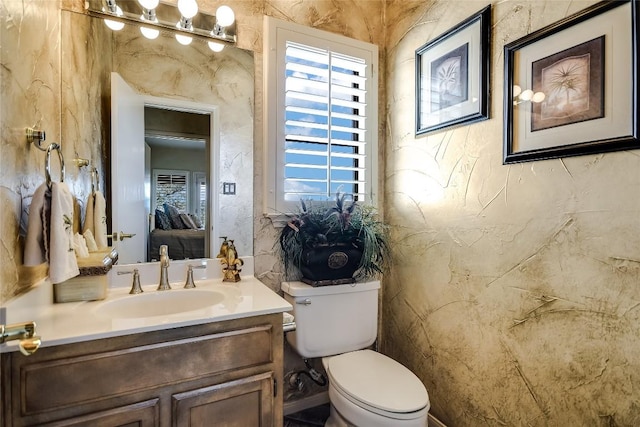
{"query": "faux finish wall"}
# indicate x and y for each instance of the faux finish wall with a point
(515, 290)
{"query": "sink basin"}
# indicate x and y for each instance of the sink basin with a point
(160, 303)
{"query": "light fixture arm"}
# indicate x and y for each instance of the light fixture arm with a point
(186, 23)
(149, 15)
(112, 6)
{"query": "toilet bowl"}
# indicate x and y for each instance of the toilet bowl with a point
(370, 389)
(366, 388)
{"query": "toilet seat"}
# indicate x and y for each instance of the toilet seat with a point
(378, 384)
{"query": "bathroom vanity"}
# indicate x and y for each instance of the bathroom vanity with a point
(214, 365)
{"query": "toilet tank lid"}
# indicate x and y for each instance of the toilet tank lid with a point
(300, 289)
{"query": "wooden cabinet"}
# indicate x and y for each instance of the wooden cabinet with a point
(224, 374)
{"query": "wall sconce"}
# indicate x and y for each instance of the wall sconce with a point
(527, 95)
(184, 21)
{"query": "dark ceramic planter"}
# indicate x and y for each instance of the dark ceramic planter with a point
(326, 265)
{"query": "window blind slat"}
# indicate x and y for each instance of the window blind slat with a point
(307, 125)
(305, 165)
(341, 142)
(308, 70)
(325, 113)
(348, 91)
(305, 97)
(306, 138)
(298, 84)
(349, 104)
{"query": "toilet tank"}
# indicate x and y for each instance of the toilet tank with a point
(332, 319)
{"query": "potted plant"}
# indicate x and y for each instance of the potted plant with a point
(335, 245)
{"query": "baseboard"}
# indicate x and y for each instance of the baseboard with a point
(434, 422)
(306, 403)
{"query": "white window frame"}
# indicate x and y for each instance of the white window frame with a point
(154, 185)
(276, 34)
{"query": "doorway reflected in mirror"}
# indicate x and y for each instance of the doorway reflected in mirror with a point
(177, 149)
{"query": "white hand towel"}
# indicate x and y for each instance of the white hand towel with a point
(100, 220)
(62, 258)
(88, 216)
(91, 242)
(80, 246)
(38, 227)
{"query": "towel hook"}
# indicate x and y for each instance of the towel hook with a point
(36, 137)
(47, 165)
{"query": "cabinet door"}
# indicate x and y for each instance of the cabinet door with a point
(142, 414)
(240, 403)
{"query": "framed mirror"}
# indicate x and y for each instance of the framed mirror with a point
(162, 69)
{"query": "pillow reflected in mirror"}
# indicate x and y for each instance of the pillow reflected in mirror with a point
(162, 220)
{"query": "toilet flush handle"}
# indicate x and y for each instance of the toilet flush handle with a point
(306, 301)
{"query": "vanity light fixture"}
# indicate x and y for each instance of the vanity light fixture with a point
(183, 20)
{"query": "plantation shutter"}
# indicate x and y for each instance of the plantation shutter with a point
(325, 120)
(172, 187)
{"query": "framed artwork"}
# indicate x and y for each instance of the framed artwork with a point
(452, 76)
(571, 88)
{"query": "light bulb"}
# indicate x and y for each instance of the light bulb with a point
(149, 4)
(516, 90)
(538, 97)
(115, 25)
(526, 95)
(225, 16)
(188, 8)
(216, 47)
(150, 33)
(184, 40)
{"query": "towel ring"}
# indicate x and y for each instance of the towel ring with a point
(47, 164)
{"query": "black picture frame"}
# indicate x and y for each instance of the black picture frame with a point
(453, 75)
(569, 90)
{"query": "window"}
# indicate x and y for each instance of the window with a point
(172, 187)
(320, 116)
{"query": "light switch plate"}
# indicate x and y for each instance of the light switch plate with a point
(228, 188)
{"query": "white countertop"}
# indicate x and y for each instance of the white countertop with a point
(71, 322)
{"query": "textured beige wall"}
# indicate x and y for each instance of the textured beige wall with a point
(514, 294)
(29, 97)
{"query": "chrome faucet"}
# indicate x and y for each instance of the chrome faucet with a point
(135, 285)
(164, 268)
(189, 283)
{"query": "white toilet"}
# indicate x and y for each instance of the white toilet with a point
(366, 389)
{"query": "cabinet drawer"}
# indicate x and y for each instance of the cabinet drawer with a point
(59, 383)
